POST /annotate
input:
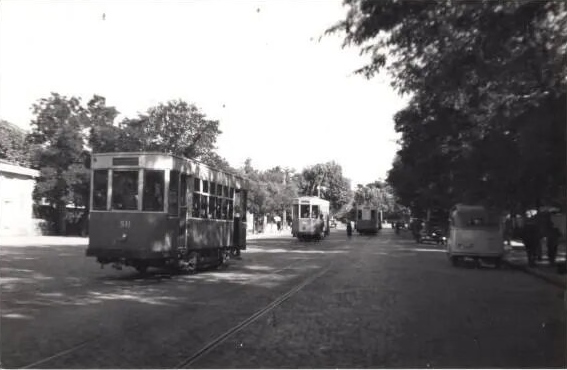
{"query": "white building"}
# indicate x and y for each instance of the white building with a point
(16, 203)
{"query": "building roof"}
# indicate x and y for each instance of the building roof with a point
(10, 168)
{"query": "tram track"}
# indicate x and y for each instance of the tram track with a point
(157, 320)
(251, 319)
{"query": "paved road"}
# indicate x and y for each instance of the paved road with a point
(365, 302)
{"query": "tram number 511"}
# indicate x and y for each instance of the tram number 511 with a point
(124, 224)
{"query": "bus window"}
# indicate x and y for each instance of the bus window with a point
(125, 190)
(196, 204)
(154, 184)
(172, 199)
(100, 189)
(314, 211)
(373, 214)
(295, 211)
(304, 211)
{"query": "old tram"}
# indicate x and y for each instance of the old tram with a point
(368, 219)
(159, 210)
(310, 218)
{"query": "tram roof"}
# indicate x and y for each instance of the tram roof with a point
(168, 155)
(310, 199)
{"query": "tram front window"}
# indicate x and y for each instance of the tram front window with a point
(100, 189)
(125, 190)
(295, 211)
(314, 211)
(154, 185)
(304, 211)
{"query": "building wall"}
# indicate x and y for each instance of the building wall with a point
(16, 204)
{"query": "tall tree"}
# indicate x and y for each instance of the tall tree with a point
(175, 127)
(487, 81)
(57, 144)
(327, 181)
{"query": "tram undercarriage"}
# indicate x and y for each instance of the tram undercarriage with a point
(188, 261)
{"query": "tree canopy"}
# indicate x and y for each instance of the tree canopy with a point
(65, 132)
(326, 180)
(486, 119)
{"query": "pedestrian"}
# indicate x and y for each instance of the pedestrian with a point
(552, 241)
(531, 239)
(349, 228)
(508, 227)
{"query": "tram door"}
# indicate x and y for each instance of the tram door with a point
(173, 198)
(183, 204)
(239, 238)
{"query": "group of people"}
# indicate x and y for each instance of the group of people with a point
(533, 232)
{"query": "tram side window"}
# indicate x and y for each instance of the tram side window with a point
(100, 189)
(304, 211)
(125, 190)
(196, 204)
(205, 186)
(212, 206)
(183, 190)
(197, 184)
(204, 205)
(314, 211)
(172, 199)
(224, 209)
(373, 214)
(230, 209)
(244, 203)
(154, 184)
(225, 191)
(218, 206)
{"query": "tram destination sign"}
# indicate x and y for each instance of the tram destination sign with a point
(125, 161)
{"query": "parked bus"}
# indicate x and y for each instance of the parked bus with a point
(310, 218)
(368, 219)
(159, 210)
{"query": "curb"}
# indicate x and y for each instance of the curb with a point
(555, 280)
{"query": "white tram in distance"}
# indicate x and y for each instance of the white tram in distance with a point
(310, 218)
(368, 219)
(159, 210)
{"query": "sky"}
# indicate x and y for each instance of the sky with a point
(283, 96)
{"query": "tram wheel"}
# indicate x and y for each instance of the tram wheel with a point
(142, 268)
(454, 260)
(189, 263)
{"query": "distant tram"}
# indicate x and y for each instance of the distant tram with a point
(310, 218)
(159, 210)
(368, 219)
